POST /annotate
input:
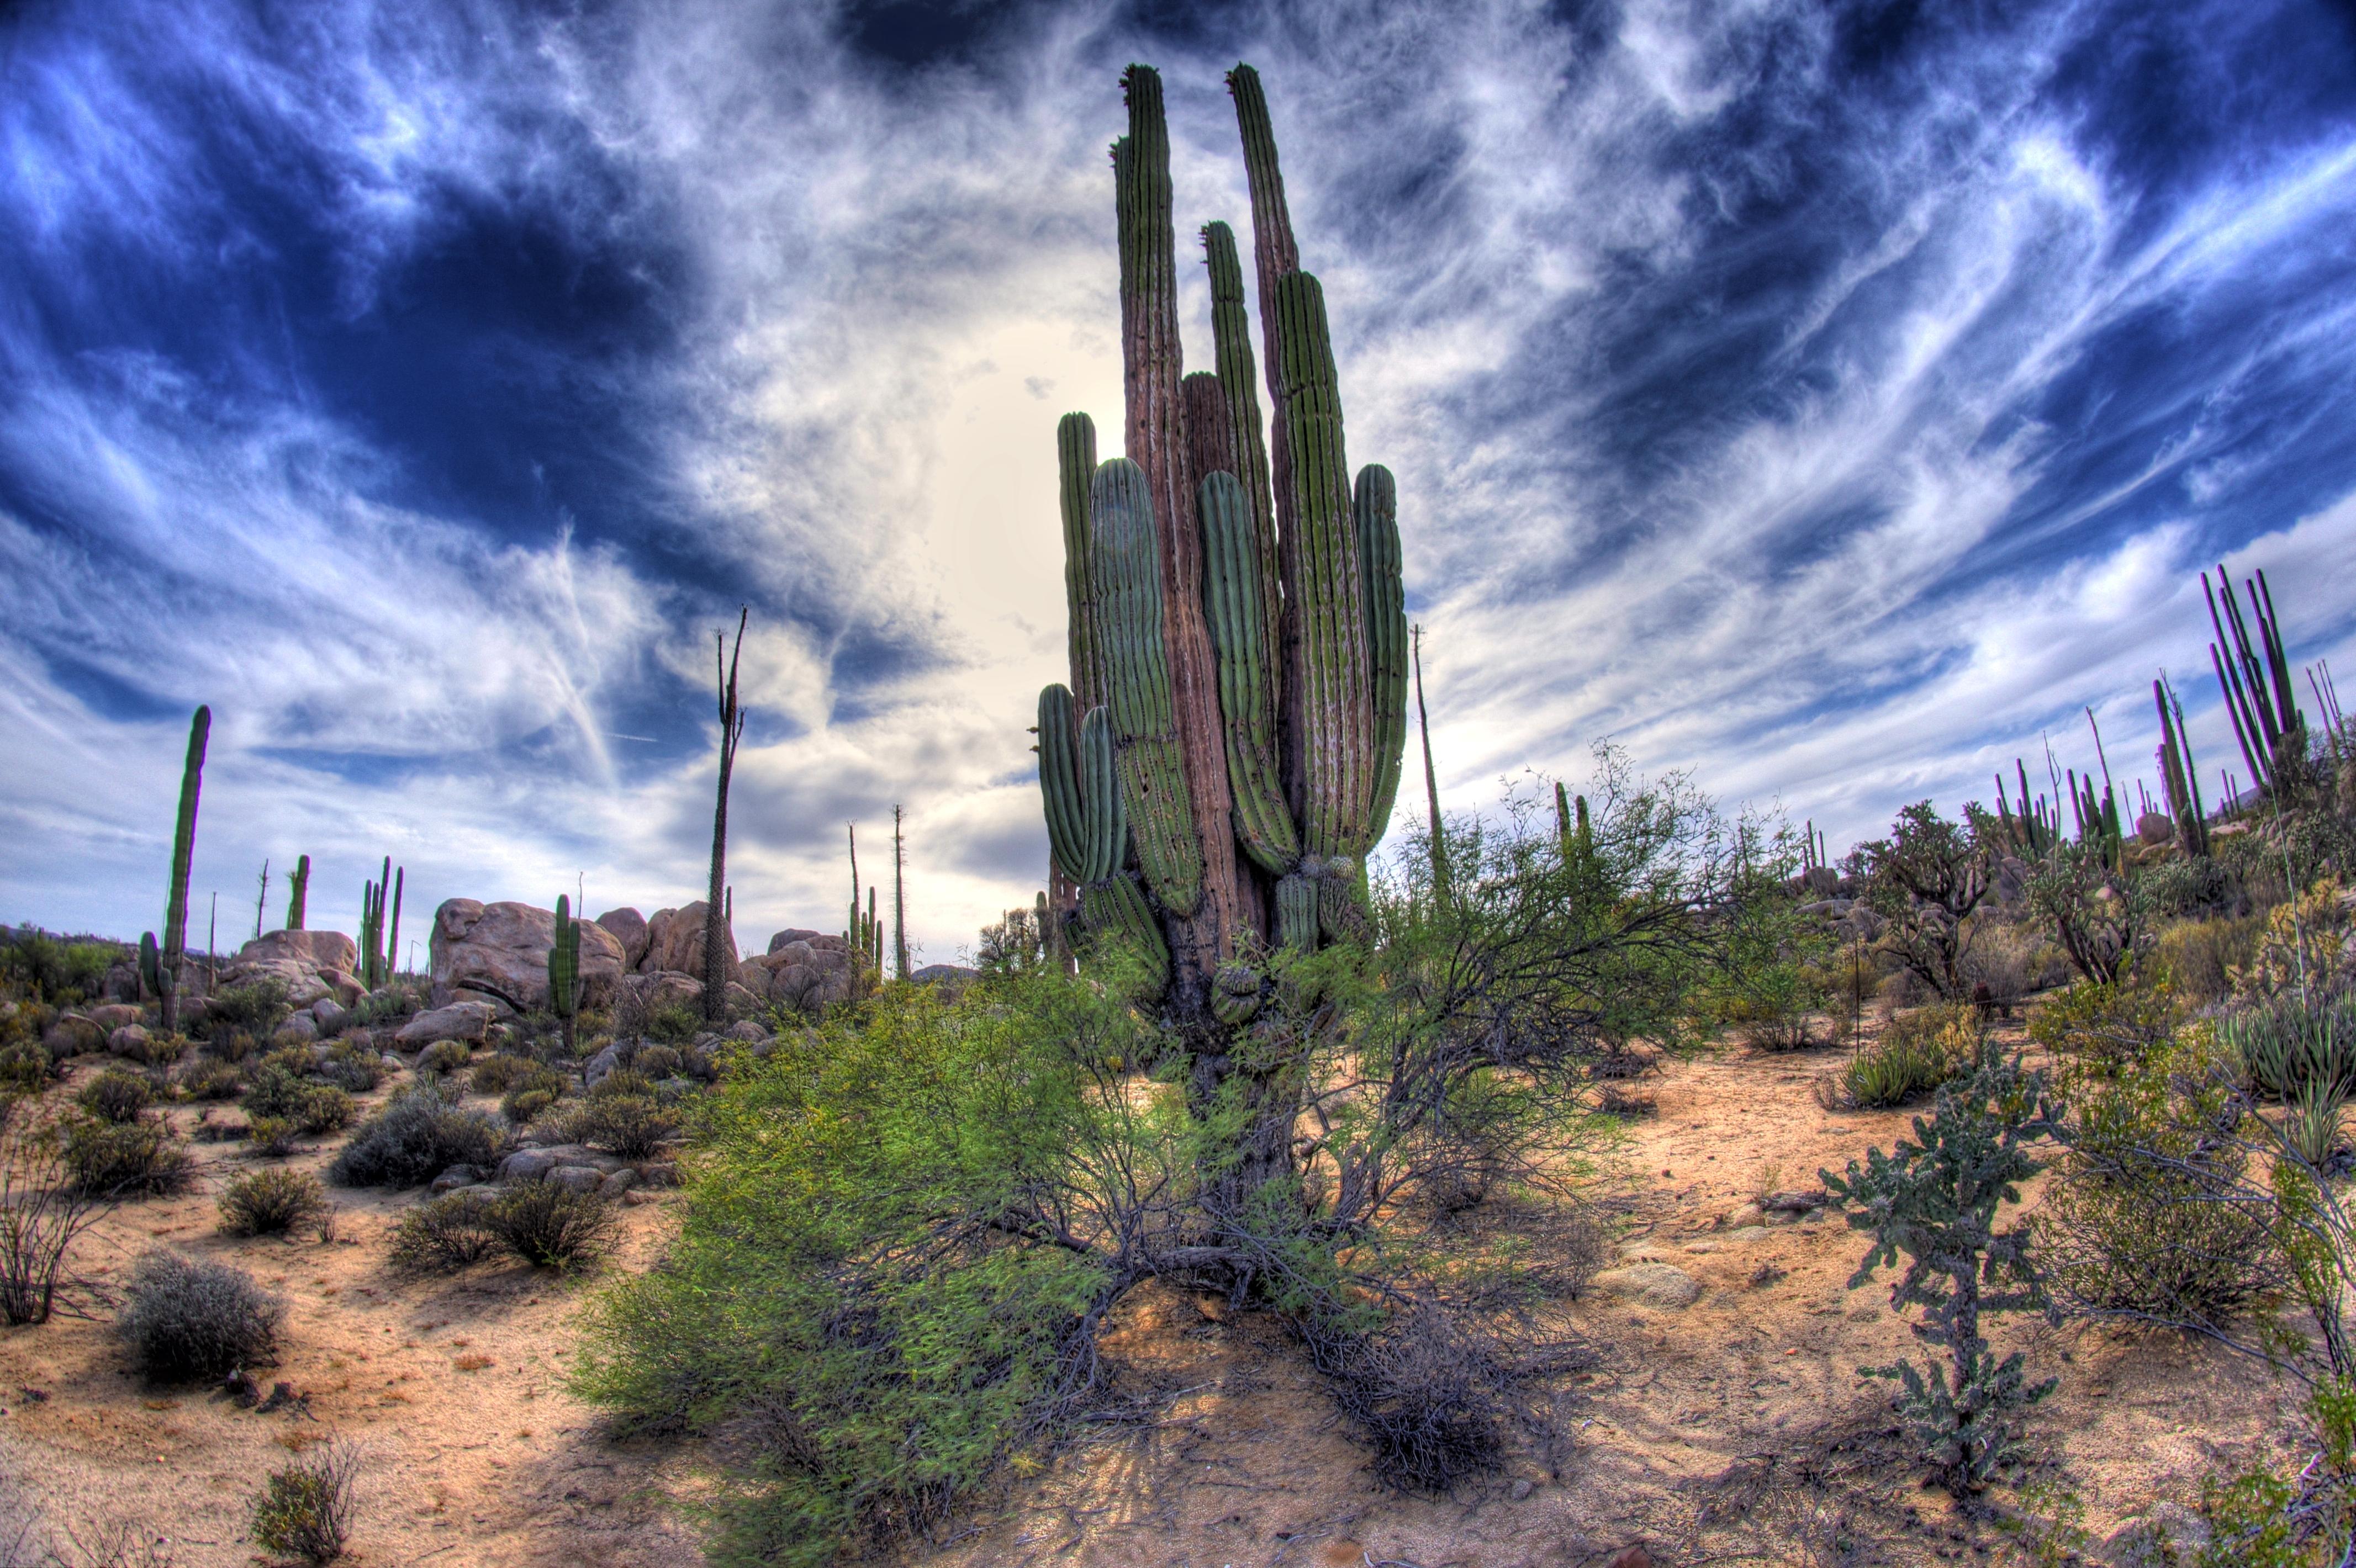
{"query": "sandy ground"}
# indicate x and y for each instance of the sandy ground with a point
(1733, 1430)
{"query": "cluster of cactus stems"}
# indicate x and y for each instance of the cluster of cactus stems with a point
(1229, 749)
(2179, 776)
(2260, 698)
(380, 926)
(298, 889)
(564, 969)
(159, 961)
(866, 931)
(1812, 841)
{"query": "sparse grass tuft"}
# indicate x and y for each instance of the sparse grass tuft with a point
(305, 1510)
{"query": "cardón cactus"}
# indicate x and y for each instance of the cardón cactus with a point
(565, 969)
(165, 976)
(1229, 749)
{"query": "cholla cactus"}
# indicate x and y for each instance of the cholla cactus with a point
(1229, 749)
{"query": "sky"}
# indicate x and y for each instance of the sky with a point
(1833, 401)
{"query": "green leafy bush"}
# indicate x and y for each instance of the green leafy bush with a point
(1915, 1053)
(353, 1066)
(115, 1095)
(305, 1510)
(675, 1023)
(2199, 956)
(272, 1137)
(523, 1104)
(631, 1127)
(2287, 1044)
(499, 1073)
(322, 1108)
(2104, 1028)
(182, 1319)
(271, 1202)
(444, 1056)
(26, 1067)
(254, 1009)
(622, 1082)
(126, 1160)
(444, 1234)
(657, 1062)
(549, 1226)
(420, 1134)
(209, 1078)
(2188, 885)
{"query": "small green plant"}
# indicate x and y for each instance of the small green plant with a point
(271, 1202)
(209, 1078)
(352, 1066)
(184, 1319)
(631, 1127)
(620, 1082)
(115, 1095)
(523, 1105)
(254, 1009)
(322, 1108)
(444, 1056)
(675, 1024)
(126, 1160)
(1935, 1204)
(272, 1137)
(1916, 1052)
(26, 1067)
(500, 1072)
(305, 1510)
(657, 1062)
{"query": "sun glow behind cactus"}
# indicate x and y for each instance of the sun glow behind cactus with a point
(1822, 404)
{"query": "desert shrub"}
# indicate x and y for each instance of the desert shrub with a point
(277, 1084)
(271, 1202)
(549, 1226)
(26, 1067)
(499, 1073)
(1998, 967)
(42, 1211)
(2286, 1045)
(2127, 1230)
(2105, 1026)
(418, 1135)
(444, 1056)
(444, 1234)
(209, 1078)
(254, 1009)
(2199, 956)
(2188, 885)
(2103, 919)
(631, 1127)
(305, 1510)
(1927, 882)
(353, 1066)
(1915, 1053)
(182, 1319)
(388, 1004)
(322, 1108)
(657, 1062)
(623, 1082)
(675, 1023)
(115, 1095)
(272, 1137)
(523, 1104)
(124, 1160)
(2301, 947)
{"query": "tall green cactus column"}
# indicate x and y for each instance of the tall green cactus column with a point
(298, 891)
(564, 969)
(1239, 633)
(159, 963)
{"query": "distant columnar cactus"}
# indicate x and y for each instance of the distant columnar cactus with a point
(1228, 749)
(160, 961)
(2259, 696)
(298, 889)
(2179, 776)
(565, 969)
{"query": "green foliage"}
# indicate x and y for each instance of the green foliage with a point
(124, 1160)
(2199, 956)
(26, 1067)
(209, 1078)
(2103, 919)
(272, 1137)
(532, 1098)
(420, 1134)
(675, 1023)
(631, 1127)
(53, 969)
(115, 1095)
(271, 1202)
(305, 1510)
(2188, 885)
(657, 1062)
(2287, 1044)
(183, 1320)
(352, 1066)
(499, 1073)
(444, 1234)
(1915, 1053)
(256, 1007)
(2105, 1026)
(444, 1056)
(546, 1225)
(1935, 1204)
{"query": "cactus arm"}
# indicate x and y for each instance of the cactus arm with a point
(1114, 912)
(1231, 590)
(1076, 468)
(393, 925)
(1238, 379)
(1124, 564)
(1105, 821)
(1059, 782)
(1375, 505)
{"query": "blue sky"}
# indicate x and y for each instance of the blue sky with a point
(1831, 400)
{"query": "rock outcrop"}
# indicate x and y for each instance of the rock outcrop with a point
(628, 927)
(675, 943)
(460, 1020)
(311, 964)
(807, 970)
(498, 953)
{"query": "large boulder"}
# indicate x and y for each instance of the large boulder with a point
(662, 989)
(675, 943)
(499, 953)
(459, 1020)
(628, 927)
(803, 970)
(310, 965)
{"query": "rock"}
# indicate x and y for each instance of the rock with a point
(935, 974)
(637, 1195)
(1522, 1489)
(577, 1177)
(582, 1154)
(747, 1031)
(794, 935)
(526, 1165)
(457, 1175)
(1654, 1285)
(317, 951)
(1822, 881)
(1631, 1557)
(2154, 828)
(71, 1035)
(658, 1173)
(598, 1066)
(658, 990)
(121, 984)
(459, 1020)
(301, 1029)
(1749, 1233)
(628, 927)
(618, 1182)
(1798, 1202)
(2012, 882)
(115, 1016)
(303, 984)
(1745, 1214)
(675, 941)
(329, 1014)
(131, 1041)
(500, 950)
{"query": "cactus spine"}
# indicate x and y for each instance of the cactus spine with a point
(298, 889)
(1239, 633)
(163, 974)
(564, 969)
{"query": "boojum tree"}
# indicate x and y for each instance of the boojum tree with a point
(1229, 749)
